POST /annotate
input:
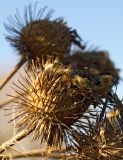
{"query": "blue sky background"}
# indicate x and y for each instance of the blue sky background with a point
(100, 23)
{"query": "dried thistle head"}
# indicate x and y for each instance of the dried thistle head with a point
(53, 100)
(37, 34)
(98, 62)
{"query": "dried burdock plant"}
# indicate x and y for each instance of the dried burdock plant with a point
(103, 138)
(54, 98)
(64, 99)
(37, 35)
(100, 142)
(98, 62)
(90, 138)
(53, 102)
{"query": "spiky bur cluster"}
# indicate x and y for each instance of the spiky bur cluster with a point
(37, 34)
(97, 62)
(58, 101)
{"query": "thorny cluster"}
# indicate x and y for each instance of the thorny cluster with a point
(66, 100)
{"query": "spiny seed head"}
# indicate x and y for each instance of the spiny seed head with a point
(52, 104)
(53, 100)
(39, 35)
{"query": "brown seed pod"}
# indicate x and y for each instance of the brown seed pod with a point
(97, 62)
(39, 36)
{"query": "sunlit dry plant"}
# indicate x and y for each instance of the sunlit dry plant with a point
(37, 35)
(65, 98)
(55, 100)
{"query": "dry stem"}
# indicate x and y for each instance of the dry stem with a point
(56, 154)
(22, 61)
(14, 139)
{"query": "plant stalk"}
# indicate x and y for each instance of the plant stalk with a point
(11, 74)
(14, 139)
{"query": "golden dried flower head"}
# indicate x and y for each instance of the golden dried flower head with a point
(53, 100)
(39, 35)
